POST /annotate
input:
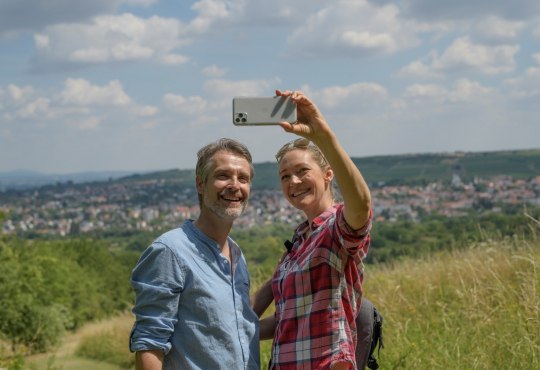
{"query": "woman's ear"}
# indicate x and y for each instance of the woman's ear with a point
(328, 175)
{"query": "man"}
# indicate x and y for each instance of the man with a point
(192, 285)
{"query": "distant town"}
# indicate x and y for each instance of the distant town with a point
(150, 205)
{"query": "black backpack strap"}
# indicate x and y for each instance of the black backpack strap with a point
(369, 335)
(376, 340)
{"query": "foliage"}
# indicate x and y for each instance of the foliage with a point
(262, 247)
(49, 286)
(407, 238)
(18, 362)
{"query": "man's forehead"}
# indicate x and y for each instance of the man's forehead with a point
(228, 159)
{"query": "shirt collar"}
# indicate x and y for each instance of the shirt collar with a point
(317, 221)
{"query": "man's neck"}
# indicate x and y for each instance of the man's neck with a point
(214, 227)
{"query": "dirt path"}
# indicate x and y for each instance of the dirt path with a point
(64, 356)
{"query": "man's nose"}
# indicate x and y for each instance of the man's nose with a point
(233, 182)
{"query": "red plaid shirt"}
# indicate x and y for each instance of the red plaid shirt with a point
(317, 290)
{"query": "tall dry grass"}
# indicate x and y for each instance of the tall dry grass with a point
(472, 309)
(110, 344)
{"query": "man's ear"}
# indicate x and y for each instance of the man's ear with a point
(199, 184)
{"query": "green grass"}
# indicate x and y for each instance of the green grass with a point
(477, 308)
(474, 309)
(99, 345)
(110, 346)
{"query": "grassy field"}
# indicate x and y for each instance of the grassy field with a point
(100, 345)
(472, 309)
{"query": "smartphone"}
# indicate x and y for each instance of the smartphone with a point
(260, 111)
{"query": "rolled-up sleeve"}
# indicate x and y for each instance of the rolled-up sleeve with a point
(157, 280)
(355, 241)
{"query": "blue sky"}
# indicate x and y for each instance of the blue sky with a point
(141, 85)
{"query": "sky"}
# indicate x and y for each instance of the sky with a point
(141, 85)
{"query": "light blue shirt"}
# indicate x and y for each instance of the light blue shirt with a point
(189, 304)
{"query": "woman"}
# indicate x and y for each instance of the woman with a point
(317, 286)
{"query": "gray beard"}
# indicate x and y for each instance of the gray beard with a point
(225, 213)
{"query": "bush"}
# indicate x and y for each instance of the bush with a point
(47, 287)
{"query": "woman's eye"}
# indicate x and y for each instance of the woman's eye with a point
(285, 177)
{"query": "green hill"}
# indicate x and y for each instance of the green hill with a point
(411, 168)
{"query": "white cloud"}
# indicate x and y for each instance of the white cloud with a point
(463, 91)
(496, 29)
(227, 14)
(123, 37)
(19, 101)
(175, 59)
(147, 111)
(226, 89)
(430, 91)
(421, 68)
(82, 92)
(536, 31)
(24, 15)
(464, 55)
(464, 9)
(536, 58)
(88, 123)
(358, 95)
(353, 28)
(38, 108)
(193, 105)
(19, 93)
(468, 91)
(214, 71)
(526, 86)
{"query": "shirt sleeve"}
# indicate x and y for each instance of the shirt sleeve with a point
(355, 241)
(158, 281)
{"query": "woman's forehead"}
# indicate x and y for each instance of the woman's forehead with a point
(296, 157)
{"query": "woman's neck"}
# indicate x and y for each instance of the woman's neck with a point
(321, 207)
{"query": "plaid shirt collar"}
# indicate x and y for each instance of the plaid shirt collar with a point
(304, 227)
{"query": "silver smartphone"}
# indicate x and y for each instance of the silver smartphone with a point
(260, 111)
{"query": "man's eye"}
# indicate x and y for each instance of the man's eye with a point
(285, 177)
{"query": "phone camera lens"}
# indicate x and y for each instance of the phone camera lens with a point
(237, 120)
(244, 120)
